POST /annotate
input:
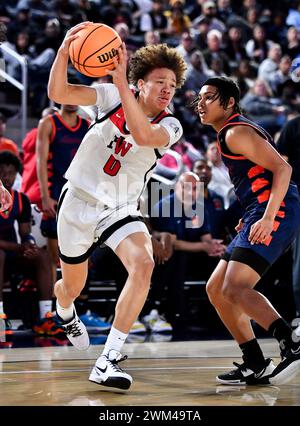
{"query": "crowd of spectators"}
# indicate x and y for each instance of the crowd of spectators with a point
(255, 42)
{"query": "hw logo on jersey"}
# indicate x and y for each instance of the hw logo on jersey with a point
(112, 166)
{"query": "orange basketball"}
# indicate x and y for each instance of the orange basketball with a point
(93, 51)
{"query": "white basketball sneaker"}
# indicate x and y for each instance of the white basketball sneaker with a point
(107, 372)
(76, 332)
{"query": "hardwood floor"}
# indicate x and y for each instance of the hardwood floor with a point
(165, 374)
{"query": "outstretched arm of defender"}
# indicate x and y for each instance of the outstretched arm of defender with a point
(59, 90)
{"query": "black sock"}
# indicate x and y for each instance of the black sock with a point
(252, 354)
(282, 331)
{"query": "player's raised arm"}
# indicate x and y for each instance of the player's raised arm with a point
(156, 80)
(59, 90)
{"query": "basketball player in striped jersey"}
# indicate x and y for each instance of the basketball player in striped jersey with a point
(108, 174)
(58, 138)
(261, 180)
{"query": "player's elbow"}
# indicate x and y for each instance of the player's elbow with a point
(287, 169)
(56, 94)
(143, 139)
(53, 94)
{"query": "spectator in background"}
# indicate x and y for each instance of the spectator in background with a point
(200, 33)
(293, 18)
(260, 106)
(292, 45)
(186, 46)
(154, 20)
(278, 78)
(222, 221)
(289, 146)
(220, 181)
(24, 257)
(209, 12)
(234, 47)
(178, 20)
(271, 63)
(58, 138)
(215, 51)
(5, 143)
(245, 76)
(50, 37)
(197, 72)
(30, 184)
(258, 46)
(152, 37)
(195, 251)
(213, 202)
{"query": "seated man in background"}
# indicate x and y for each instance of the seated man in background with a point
(25, 257)
(194, 248)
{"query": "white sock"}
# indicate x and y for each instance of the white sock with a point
(65, 313)
(115, 341)
(45, 307)
(1, 308)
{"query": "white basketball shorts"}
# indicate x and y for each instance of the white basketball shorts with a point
(84, 223)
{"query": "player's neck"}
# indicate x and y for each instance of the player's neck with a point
(70, 118)
(148, 111)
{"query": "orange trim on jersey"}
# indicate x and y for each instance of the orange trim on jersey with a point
(6, 213)
(276, 225)
(280, 213)
(254, 171)
(282, 204)
(237, 123)
(230, 118)
(267, 242)
(53, 129)
(264, 196)
(258, 184)
(238, 157)
(72, 129)
(20, 202)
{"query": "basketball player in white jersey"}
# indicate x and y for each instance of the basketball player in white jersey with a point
(108, 174)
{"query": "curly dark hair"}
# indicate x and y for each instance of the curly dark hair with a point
(10, 159)
(148, 58)
(226, 88)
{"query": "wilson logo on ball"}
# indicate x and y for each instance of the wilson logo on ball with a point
(104, 57)
(92, 53)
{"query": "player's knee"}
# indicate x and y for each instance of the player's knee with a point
(142, 266)
(213, 290)
(230, 292)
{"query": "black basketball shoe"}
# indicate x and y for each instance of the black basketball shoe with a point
(244, 375)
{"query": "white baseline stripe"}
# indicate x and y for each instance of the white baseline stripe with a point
(127, 369)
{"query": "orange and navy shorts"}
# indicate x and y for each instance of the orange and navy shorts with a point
(261, 256)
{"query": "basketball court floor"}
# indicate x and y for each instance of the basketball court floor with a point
(165, 374)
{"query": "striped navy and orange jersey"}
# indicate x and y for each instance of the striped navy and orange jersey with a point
(64, 143)
(252, 183)
(20, 211)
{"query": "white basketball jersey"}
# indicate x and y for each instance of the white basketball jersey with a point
(109, 166)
